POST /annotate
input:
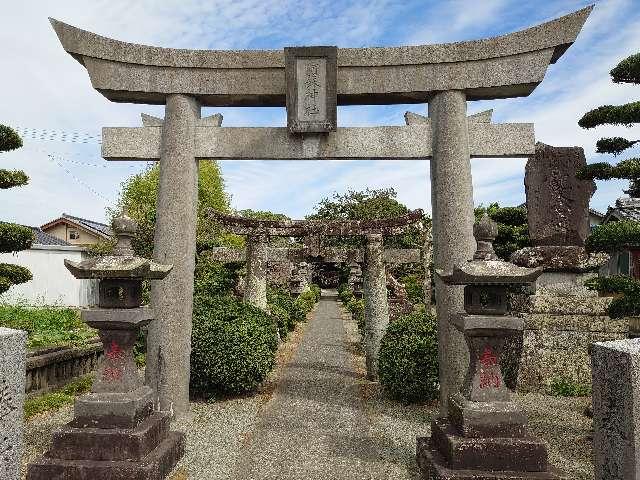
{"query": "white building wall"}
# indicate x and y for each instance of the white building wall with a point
(52, 283)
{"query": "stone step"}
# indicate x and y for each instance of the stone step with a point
(526, 454)
(110, 444)
(433, 466)
(155, 466)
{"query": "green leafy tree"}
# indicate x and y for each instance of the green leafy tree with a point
(139, 194)
(369, 204)
(627, 71)
(513, 229)
(13, 238)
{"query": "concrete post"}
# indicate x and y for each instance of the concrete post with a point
(376, 307)
(13, 356)
(616, 411)
(169, 340)
(452, 203)
(255, 291)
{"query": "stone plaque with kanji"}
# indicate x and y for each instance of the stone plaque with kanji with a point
(311, 89)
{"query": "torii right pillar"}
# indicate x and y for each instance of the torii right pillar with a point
(452, 228)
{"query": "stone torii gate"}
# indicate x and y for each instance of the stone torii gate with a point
(374, 257)
(311, 82)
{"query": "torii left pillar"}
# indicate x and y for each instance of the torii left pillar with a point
(169, 340)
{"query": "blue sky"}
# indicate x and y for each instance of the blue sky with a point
(43, 88)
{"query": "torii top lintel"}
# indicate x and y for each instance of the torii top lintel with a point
(506, 66)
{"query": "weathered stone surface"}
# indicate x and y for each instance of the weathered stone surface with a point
(525, 453)
(451, 197)
(616, 409)
(486, 419)
(154, 466)
(311, 88)
(393, 142)
(376, 308)
(12, 387)
(169, 339)
(557, 202)
(255, 291)
(51, 368)
(557, 336)
(558, 258)
(499, 67)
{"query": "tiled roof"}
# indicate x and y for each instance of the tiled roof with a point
(100, 227)
(43, 238)
(625, 209)
(596, 213)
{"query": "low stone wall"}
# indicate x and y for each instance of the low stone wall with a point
(51, 368)
(557, 336)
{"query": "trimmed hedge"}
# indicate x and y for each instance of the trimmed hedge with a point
(614, 145)
(233, 346)
(626, 115)
(627, 305)
(14, 238)
(408, 362)
(12, 275)
(12, 178)
(9, 139)
(627, 71)
(613, 236)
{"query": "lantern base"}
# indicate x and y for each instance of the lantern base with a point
(113, 410)
(147, 451)
(486, 419)
(434, 466)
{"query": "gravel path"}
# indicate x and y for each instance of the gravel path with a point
(315, 426)
(318, 417)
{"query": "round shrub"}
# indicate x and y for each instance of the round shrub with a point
(408, 361)
(283, 319)
(12, 178)
(15, 238)
(9, 139)
(233, 346)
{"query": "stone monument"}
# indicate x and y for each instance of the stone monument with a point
(13, 356)
(115, 433)
(616, 396)
(562, 308)
(484, 436)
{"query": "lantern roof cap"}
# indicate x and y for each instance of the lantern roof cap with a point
(122, 262)
(486, 268)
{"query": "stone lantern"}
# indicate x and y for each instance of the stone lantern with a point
(115, 433)
(484, 435)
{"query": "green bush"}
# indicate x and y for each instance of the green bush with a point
(12, 178)
(47, 326)
(213, 278)
(565, 387)
(14, 238)
(628, 304)
(356, 307)
(626, 115)
(9, 139)
(613, 236)
(413, 284)
(408, 362)
(233, 346)
(305, 301)
(345, 293)
(317, 291)
(281, 305)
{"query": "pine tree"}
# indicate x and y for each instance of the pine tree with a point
(627, 71)
(13, 238)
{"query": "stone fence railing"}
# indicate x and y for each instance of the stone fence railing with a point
(51, 368)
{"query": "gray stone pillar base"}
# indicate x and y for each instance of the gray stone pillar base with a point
(114, 436)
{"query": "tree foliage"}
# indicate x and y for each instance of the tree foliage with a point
(627, 71)
(369, 204)
(513, 229)
(139, 193)
(614, 236)
(13, 238)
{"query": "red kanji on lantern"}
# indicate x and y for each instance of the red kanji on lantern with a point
(114, 352)
(488, 377)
